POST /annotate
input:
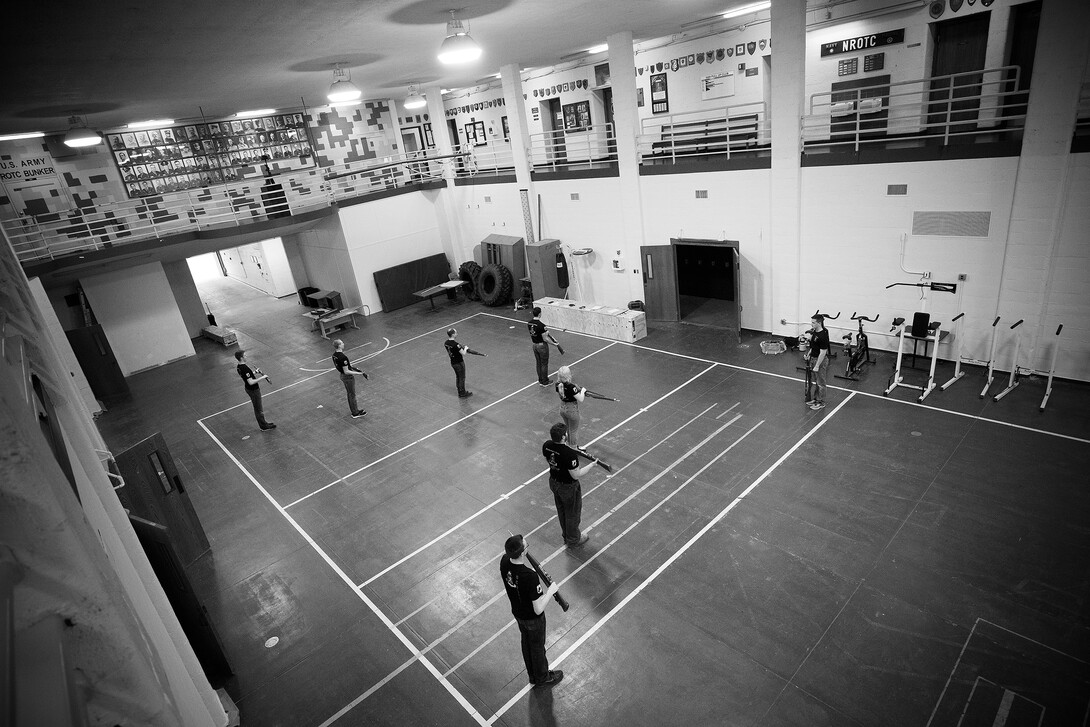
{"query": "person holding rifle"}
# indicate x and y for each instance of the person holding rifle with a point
(564, 474)
(528, 601)
(571, 396)
(817, 360)
(251, 377)
(538, 334)
(348, 372)
(456, 350)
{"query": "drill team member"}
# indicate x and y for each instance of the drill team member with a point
(528, 602)
(818, 359)
(348, 373)
(538, 334)
(251, 377)
(456, 350)
(571, 396)
(564, 474)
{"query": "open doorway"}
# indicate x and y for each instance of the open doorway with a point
(693, 281)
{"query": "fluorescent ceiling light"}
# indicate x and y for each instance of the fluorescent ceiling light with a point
(26, 135)
(149, 122)
(598, 49)
(254, 112)
(746, 9)
(338, 104)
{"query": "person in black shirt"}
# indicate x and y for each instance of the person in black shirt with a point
(538, 334)
(456, 350)
(348, 373)
(564, 474)
(528, 602)
(571, 396)
(250, 376)
(817, 358)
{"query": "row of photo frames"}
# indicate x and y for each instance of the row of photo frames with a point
(219, 145)
(179, 182)
(560, 88)
(149, 170)
(708, 56)
(197, 132)
(474, 107)
(186, 151)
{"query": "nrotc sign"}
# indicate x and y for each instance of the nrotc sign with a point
(863, 42)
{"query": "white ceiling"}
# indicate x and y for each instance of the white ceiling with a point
(118, 62)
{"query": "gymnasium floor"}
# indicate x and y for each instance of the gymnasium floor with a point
(751, 562)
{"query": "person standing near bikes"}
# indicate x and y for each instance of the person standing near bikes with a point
(817, 359)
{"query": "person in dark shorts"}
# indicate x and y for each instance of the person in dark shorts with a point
(817, 358)
(528, 601)
(251, 377)
(456, 351)
(348, 374)
(538, 334)
(564, 474)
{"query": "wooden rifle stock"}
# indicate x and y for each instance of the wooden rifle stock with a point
(596, 461)
(561, 601)
(596, 395)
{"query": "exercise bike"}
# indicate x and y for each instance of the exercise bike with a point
(858, 352)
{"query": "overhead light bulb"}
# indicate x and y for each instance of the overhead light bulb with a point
(414, 100)
(598, 49)
(26, 135)
(458, 47)
(79, 135)
(745, 9)
(149, 122)
(254, 112)
(342, 88)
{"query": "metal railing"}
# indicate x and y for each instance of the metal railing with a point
(589, 146)
(489, 159)
(724, 131)
(942, 108)
(100, 226)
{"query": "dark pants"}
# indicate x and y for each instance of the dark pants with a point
(569, 412)
(349, 382)
(255, 396)
(533, 647)
(460, 377)
(569, 507)
(541, 355)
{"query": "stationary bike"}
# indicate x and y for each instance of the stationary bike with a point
(858, 352)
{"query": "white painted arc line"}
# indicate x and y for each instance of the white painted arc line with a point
(268, 393)
(593, 629)
(344, 577)
(353, 349)
(439, 537)
(426, 436)
(589, 492)
(601, 550)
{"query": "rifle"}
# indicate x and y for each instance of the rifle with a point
(596, 395)
(596, 461)
(475, 353)
(561, 601)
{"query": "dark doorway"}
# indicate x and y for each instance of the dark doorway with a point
(1025, 21)
(553, 117)
(707, 282)
(960, 46)
(607, 107)
(96, 358)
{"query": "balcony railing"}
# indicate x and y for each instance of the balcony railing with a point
(100, 226)
(960, 107)
(721, 132)
(488, 159)
(588, 147)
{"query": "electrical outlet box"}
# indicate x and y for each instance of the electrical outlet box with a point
(962, 277)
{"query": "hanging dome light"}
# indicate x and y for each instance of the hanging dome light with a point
(414, 100)
(79, 135)
(458, 47)
(342, 89)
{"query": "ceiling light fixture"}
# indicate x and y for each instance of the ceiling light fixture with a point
(415, 100)
(342, 88)
(458, 47)
(745, 9)
(25, 135)
(79, 135)
(254, 112)
(149, 122)
(598, 49)
(339, 104)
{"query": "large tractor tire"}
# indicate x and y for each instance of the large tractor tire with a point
(495, 285)
(470, 272)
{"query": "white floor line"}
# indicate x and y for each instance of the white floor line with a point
(728, 411)
(669, 561)
(477, 412)
(491, 562)
(1035, 642)
(950, 676)
(470, 710)
(439, 537)
(263, 394)
(602, 549)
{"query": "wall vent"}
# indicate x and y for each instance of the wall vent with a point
(574, 196)
(896, 190)
(951, 224)
(487, 200)
(701, 194)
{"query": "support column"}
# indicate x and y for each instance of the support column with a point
(511, 77)
(785, 181)
(626, 127)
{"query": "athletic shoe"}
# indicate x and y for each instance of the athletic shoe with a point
(465, 395)
(582, 539)
(268, 426)
(811, 402)
(552, 678)
(358, 415)
(817, 406)
(544, 383)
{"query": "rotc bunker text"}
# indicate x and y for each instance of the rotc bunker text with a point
(25, 169)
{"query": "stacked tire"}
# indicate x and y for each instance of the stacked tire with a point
(495, 285)
(470, 272)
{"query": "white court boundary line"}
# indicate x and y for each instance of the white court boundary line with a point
(363, 597)
(484, 408)
(677, 554)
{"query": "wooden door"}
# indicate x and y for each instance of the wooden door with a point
(154, 491)
(960, 46)
(96, 358)
(660, 282)
(557, 147)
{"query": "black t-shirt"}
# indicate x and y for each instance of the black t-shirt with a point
(567, 390)
(561, 458)
(819, 341)
(246, 373)
(537, 331)
(523, 587)
(454, 350)
(341, 362)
